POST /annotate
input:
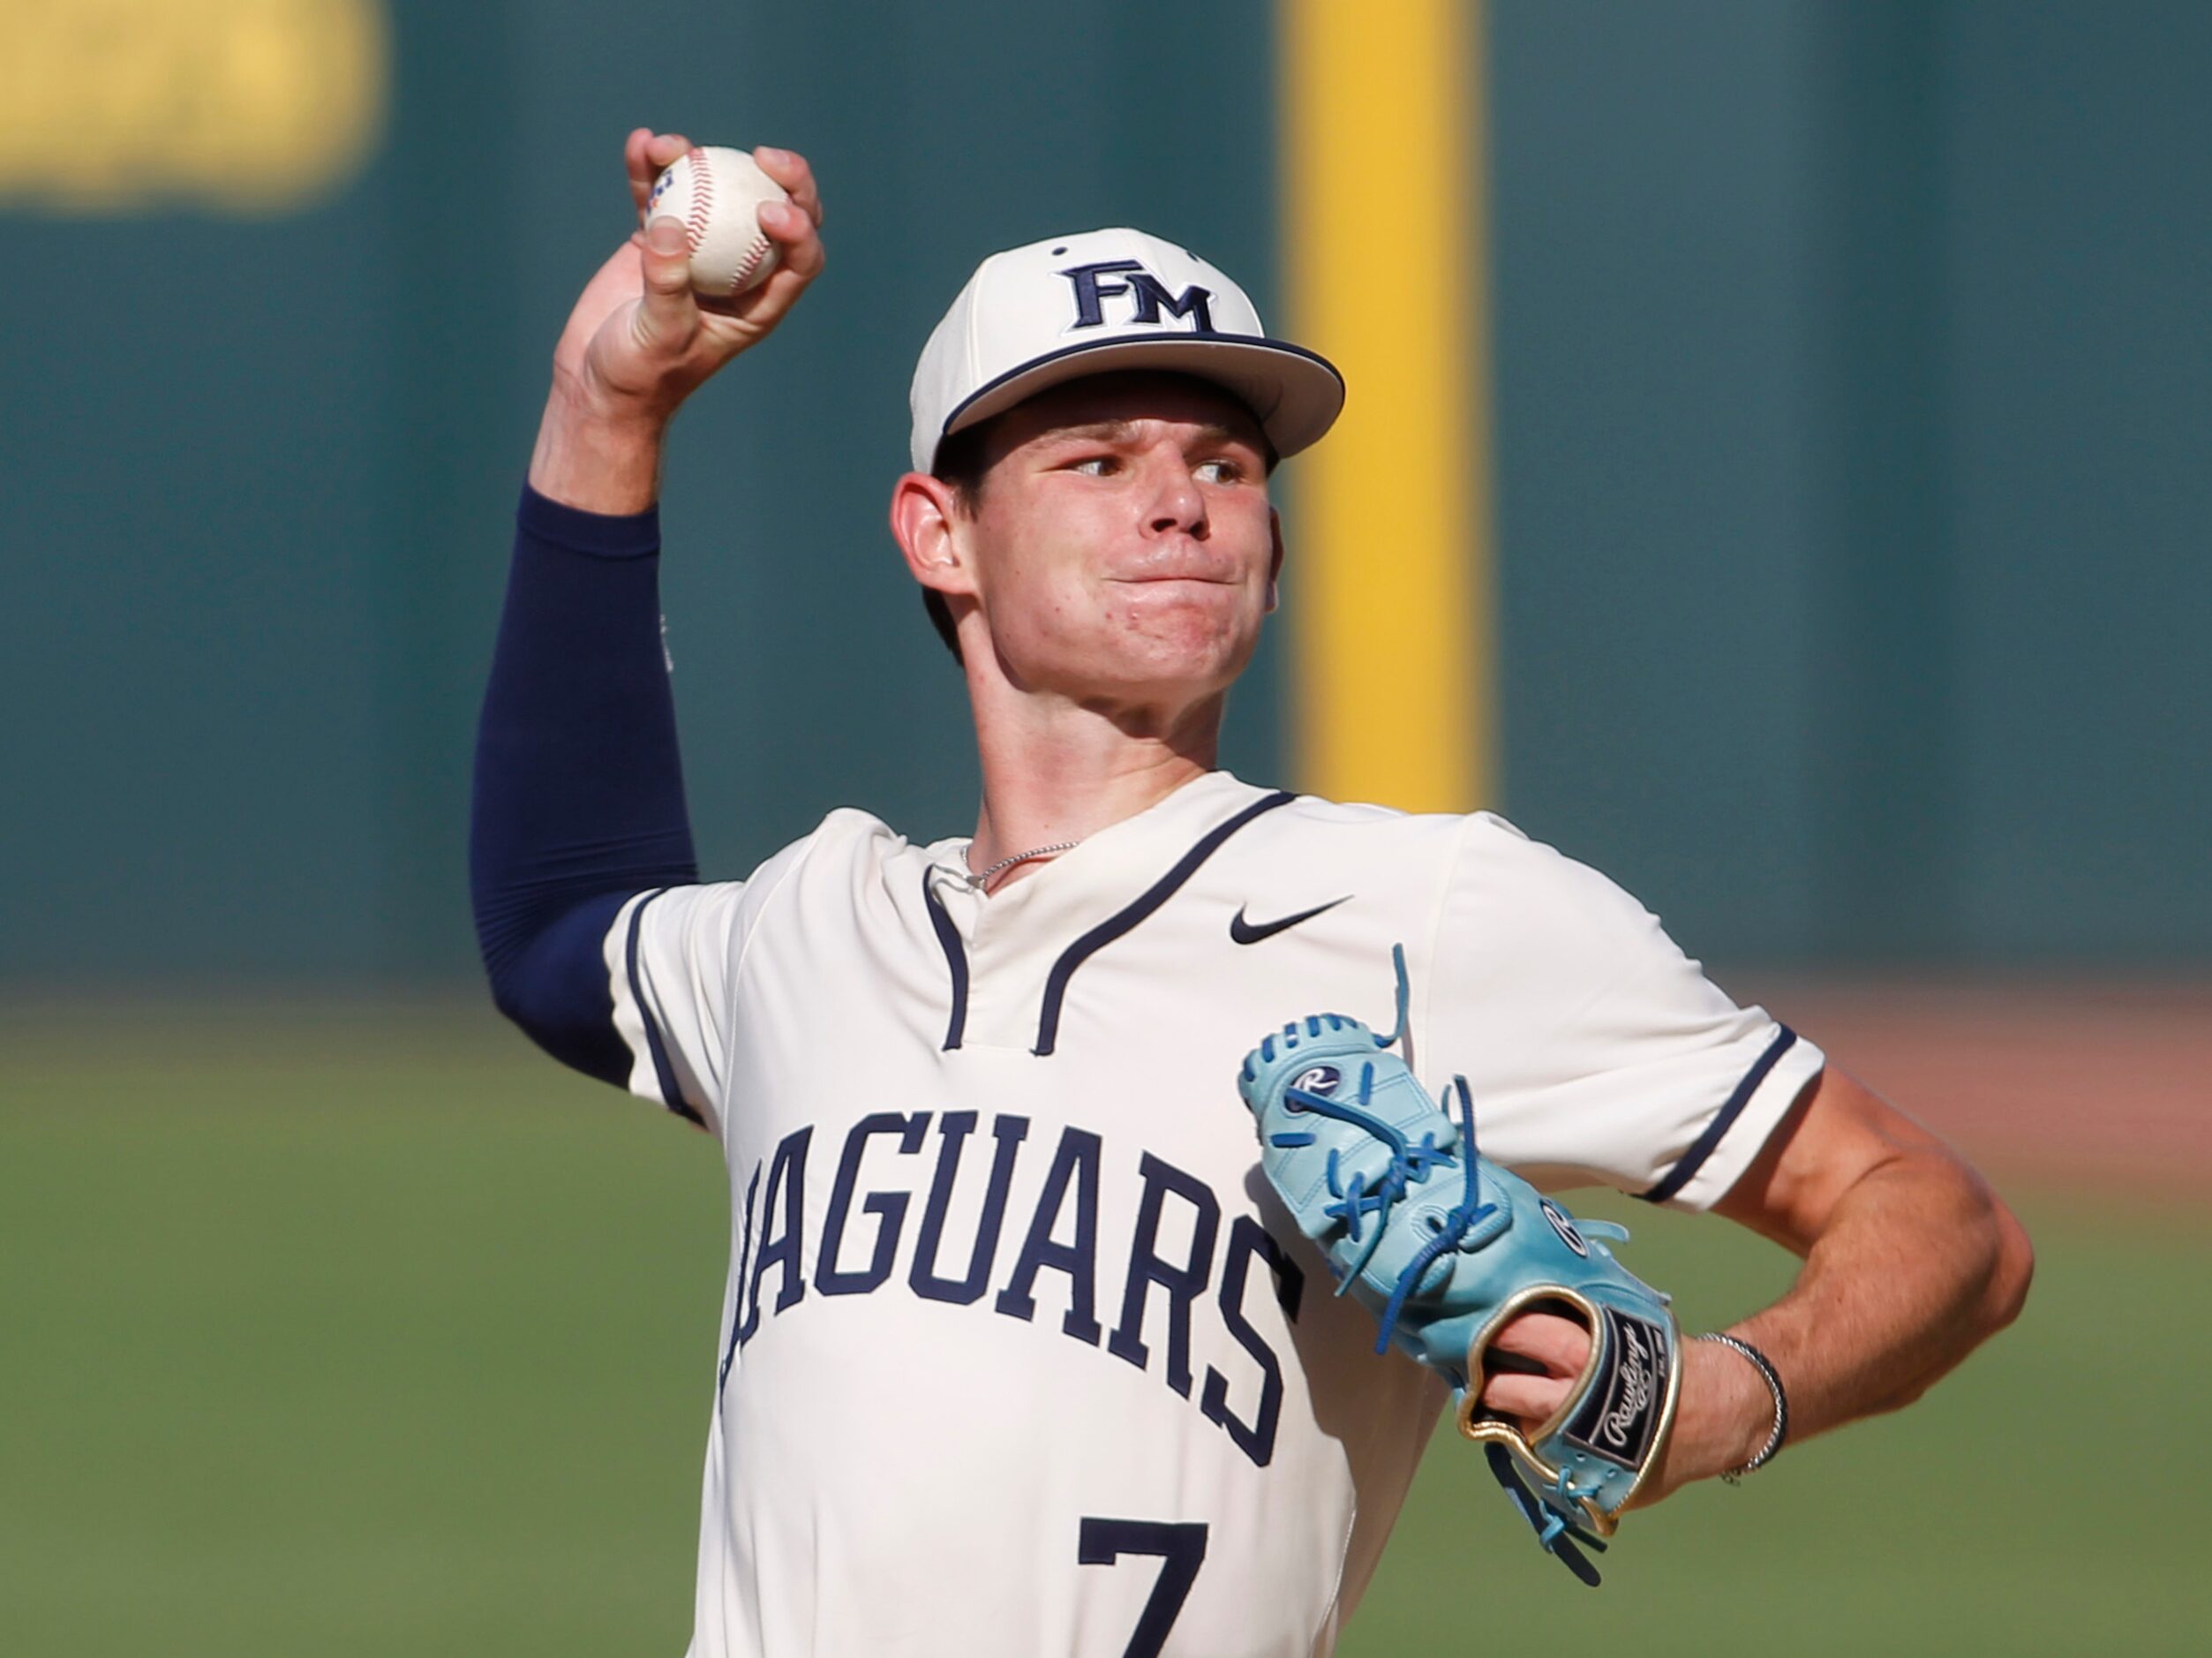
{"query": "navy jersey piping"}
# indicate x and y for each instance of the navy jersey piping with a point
(955, 961)
(664, 1073)
(1703, 1147)
(1126, 920)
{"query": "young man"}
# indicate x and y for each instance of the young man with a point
(1019, 1354)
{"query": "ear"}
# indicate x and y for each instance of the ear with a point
(1275, 561)
(924, 522)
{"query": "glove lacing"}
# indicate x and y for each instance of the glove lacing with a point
(1556, 1534)
(1461, 1228)
(1410, 1165)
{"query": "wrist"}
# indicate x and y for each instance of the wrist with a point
(1721, 1422)
(596, 453)
(1760, 1413)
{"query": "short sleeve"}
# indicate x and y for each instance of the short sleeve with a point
(671, 956)
(1595, 1050)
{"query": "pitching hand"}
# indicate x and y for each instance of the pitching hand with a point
(639, 341)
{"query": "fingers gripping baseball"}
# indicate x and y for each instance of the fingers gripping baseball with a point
(639, 340)
(794, 226)
(667, 319)
(644, 153)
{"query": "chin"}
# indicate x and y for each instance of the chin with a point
(1182, 670)
(1198, 635)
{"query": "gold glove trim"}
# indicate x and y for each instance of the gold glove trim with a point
(1489, 1430)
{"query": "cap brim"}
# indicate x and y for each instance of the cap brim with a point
(1295, 394)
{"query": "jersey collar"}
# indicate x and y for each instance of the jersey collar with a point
(1135, 850)
(1013, 956)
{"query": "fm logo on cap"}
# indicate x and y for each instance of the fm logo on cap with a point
(1148, 296)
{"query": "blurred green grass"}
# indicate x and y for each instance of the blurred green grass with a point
(360, 1328)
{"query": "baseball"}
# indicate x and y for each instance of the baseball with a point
(717, 194)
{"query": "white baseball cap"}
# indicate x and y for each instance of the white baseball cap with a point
(1102, 300)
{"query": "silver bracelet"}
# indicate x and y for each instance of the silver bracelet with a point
(1765, 1368)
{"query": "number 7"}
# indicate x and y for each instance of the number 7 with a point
(1181, 1548)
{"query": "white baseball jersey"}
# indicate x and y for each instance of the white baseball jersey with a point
(1019, 1354)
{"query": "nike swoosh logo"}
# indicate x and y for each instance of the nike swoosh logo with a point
(1252, 932)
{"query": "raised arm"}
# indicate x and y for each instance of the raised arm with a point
(578, 796)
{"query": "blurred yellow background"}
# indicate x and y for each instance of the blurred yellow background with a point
(115, 107)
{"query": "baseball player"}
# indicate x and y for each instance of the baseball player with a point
(1020, 1353)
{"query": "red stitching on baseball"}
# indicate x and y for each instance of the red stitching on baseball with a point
(701, 210)
(694, 223)
(754, 255)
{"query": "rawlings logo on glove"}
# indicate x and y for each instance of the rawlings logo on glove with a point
(1446, 1247)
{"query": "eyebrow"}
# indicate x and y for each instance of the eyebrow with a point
(1119, 432)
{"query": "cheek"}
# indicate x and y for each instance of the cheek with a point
(1041, 615)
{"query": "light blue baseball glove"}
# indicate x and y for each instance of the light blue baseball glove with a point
(1445, 1247)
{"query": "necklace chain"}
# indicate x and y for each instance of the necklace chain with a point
(983, 879)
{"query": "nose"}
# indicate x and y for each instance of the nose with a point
(1177, 502)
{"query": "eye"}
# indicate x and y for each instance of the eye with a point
(1219, 471)
(1096, 466)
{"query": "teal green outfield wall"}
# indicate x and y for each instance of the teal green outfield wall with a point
(1856, 416)
(1855, 459)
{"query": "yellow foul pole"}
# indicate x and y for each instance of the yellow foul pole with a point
(1388, 587)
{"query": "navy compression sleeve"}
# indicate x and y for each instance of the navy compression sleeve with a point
(579, 788)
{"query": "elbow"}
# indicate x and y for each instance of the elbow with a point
(573, 1023)
(552, 985)
(519, 998)
(504, 959)
(510, 996)
(1995, 1263)
(1993, 1288)
(2011, 1269)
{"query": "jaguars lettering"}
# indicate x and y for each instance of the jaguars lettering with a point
(864, 1236)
